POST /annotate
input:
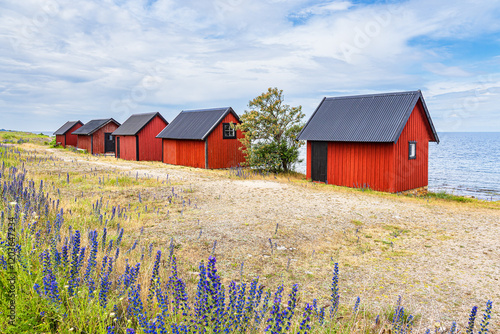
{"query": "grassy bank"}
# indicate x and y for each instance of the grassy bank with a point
(19, 137)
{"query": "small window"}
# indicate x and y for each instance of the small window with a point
(228, 131)
(412, 150)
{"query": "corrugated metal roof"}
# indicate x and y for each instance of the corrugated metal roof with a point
(92, 126)
(66, 127)
(195, 124)
(136, 123)
(363, 118)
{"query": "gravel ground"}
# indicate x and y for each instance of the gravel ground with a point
(441, 257)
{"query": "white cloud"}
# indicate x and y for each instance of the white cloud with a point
(448, 71)
(322, 9)
(62, 60)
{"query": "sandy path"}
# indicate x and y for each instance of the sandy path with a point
(444, 257)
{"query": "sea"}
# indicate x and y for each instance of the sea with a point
(47, 133)
(463, 164)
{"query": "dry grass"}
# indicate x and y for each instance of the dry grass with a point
(442, 256)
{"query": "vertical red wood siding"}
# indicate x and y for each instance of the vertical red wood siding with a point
(411, 174)
(184, 152)
(94, 143)
(308, 160)
(84, 143)
(224, 153)
(359, 165)
(68, 139)
(127, 147)
(71, 140)
(169, 151)
(98, 137)
(149, 145)
(61, 140)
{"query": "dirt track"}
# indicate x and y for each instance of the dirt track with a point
(443, 258)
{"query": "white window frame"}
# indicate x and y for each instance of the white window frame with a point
(412, 150)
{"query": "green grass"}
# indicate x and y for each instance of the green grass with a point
(19, 137)
(38, 315)
(8, 158)
(76, 197)
(449, 197)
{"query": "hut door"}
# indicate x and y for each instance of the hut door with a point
(109, 142)
(319, 153)
(118, 147)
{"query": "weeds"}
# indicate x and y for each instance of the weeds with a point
(449, 197)
(78, 271)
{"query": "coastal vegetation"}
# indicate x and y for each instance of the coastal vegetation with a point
(19, 137)
(270, 130)
(85, 262)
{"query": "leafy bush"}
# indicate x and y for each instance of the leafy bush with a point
(53, 143)
(270, 130)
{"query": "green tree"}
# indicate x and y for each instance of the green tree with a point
(270, 130)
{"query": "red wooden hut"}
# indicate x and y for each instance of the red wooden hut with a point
(95, 136)
(203, 138)
(64, 136)
(375, 141)
(136, 137)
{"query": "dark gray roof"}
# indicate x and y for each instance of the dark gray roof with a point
(195, 124)
(363, 118)
(66, 127)
(136, 123)
(92, 126)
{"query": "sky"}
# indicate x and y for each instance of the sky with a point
(64, 60)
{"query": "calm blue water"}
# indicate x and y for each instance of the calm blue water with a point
(47, 133)
(463, 163)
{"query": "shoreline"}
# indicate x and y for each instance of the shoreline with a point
(386, 244)
(490, 195)
(467, 193)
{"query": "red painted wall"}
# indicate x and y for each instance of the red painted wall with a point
(308, 160)
(127, 147)
(184, 152)
(361, 165)
(96, 144)
(169, 151)
(149, 145)
(61, 140)
(98, 136)
(68, 139)
(84, 143)
(71, 140)
(224, 153)
(411, 174)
